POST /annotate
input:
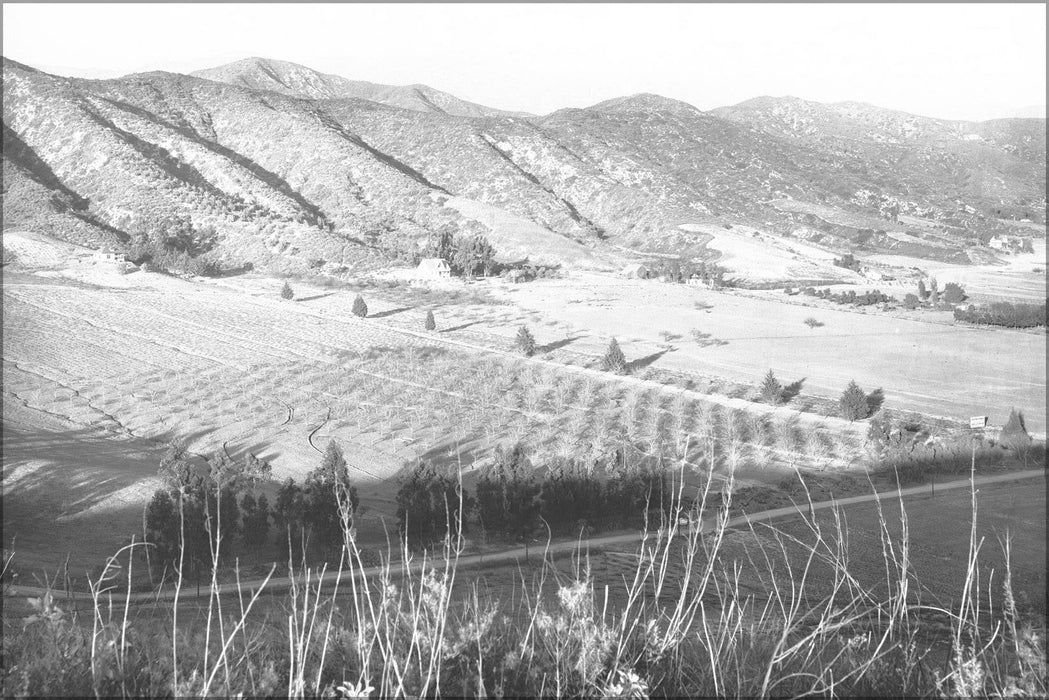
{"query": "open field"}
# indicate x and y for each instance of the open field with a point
(105, 365)
(754, 256)
(945, 370)
(1019, 277)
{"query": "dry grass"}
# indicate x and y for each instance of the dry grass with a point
(683, 622)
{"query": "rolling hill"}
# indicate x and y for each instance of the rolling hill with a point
(291, 166)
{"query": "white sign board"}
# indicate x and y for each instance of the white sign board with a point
(977, 422)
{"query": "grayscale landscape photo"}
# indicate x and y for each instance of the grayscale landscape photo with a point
(604, 350)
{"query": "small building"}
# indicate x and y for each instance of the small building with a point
(1000, 242)
(433, 268)
(695, 281)
(108, 255)
(635, 271)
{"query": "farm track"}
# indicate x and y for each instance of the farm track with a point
(553, 548)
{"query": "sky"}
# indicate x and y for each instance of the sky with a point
(954, 61)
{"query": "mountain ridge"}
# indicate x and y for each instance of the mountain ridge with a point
(288, 179)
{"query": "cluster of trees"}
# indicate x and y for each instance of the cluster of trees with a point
(200, 511)
(196, 509)
(677, 271)
(868, 298)
(513, 501)
(466, 255)
(952, 294)
(848, 261)
(1004, 314)
(318, 509)
(172, 243)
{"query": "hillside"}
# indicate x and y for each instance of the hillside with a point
(290, 166)
(299, 81)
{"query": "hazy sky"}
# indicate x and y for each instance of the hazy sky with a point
(962, 61)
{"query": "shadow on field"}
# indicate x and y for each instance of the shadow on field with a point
(557, 344)
(75, 494)
(874, 400)
(460, 327)
(645, 361)
(315, 296)
(390, 312)
(792, 390)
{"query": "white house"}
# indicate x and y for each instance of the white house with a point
(637, 271)
(695, 281)
(433, 268)
(108, 255)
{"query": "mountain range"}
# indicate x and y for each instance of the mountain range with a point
(291, 167)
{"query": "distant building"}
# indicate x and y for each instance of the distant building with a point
(635, 271)
(1000, 242)
(695, 281)
(108, 255)
(433, 268)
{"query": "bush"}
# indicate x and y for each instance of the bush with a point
(953, 293)
(911, 301)
(614, 361)
(813, 323)
(359, 307)
(286, 292)
(430, 324)
(525, 341)
(1014, 435)
(853, 403)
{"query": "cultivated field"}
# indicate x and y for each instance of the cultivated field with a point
(933, 368)
(101, 370)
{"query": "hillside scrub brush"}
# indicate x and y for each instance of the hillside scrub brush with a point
(359, 307)
(430, 324)
(286, 292)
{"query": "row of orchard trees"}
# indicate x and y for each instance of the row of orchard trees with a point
(515, 501)
(201, 512)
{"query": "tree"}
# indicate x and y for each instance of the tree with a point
(910, 301)
(525, 341)
(923, 293)
(953, 293)
(771, 389)
(614, 361)
(934, 293)
(430, 323)
(508, 500)
(286, 292)
(325, 487)
(853, 402)
(1014, 434)
(429, 502)
(255, 518)
(162, 528)
(289, 512)
(359, 307)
